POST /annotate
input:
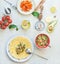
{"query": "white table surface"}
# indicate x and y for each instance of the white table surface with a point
(53, 53)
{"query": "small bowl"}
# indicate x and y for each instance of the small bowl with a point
(25, 24)
(39, 26)
(23, 12)
(45, 45)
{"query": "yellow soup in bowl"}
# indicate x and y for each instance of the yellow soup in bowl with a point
(17, 47)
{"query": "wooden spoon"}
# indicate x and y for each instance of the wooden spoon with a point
(39, 5)
(40, 15)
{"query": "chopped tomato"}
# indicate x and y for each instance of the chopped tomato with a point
(1, 22)
(10, 21)
(7, 17)
(6, 24)
(3, 18)
(3, 27)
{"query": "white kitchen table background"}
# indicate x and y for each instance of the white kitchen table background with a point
(53, 53)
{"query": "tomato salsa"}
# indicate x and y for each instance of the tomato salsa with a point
(42, 41)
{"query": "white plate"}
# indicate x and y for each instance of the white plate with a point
(14, 59)
(25, 13)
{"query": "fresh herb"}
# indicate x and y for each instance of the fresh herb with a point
(36, 14)
(13, 26)
(20, 48)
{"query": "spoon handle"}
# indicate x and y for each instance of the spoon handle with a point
(40, 56)
(49, 46)
(11, 4)
(40, 4)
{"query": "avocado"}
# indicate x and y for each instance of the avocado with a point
(25, 24)
(51, 26)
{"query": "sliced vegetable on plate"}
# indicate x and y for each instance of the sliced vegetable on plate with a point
(25, 6)
(51, 26)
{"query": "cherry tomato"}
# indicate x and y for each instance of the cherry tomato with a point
(6, 24)
(3, 27)
(10, 21)
(0, 26)
(1, 22)
(7, 17)
(3, 18)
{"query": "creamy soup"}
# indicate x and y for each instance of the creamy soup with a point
(18, 46)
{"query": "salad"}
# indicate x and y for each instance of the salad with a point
(42, 41)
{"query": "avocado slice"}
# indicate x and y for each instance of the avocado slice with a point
(51, 26)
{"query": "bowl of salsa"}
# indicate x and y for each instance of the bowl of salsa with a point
(42, 41)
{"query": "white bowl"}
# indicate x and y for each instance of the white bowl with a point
(14, 59)
(22, 12)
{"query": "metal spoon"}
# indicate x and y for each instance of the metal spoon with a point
(28, 51)
(7, 10)
(11, 4)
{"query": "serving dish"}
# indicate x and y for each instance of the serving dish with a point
(25, 8)
(39, 26)
(42, 41)
(13, 50)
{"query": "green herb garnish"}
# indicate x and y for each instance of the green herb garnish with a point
(36, 14)
(13, 26)
(20, 48)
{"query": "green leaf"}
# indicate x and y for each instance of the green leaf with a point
(16, 29)
(13, 26)
(36, 14)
